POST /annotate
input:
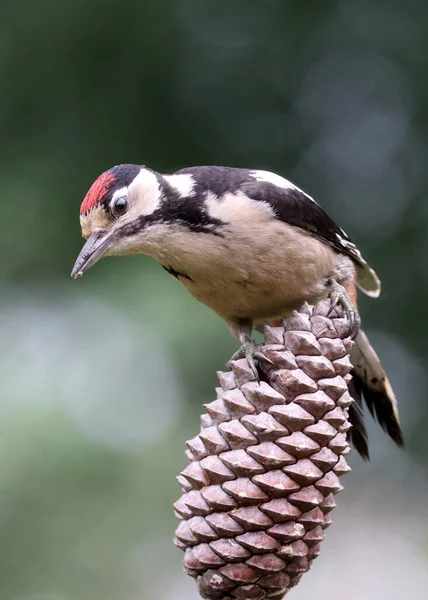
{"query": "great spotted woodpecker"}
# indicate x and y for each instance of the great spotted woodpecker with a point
(248, 244)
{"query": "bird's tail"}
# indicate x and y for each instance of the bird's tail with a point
(371, 383)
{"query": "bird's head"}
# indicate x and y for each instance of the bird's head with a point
(115, 213)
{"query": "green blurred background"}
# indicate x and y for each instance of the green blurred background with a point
(102, 379)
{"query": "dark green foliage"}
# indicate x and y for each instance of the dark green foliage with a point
(332, 95)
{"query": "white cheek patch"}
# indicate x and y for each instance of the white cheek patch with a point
(281, 182)
(182, 183)
(144, 193)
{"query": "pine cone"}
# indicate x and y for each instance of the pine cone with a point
(263, 472)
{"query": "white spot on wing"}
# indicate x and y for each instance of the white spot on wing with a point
(349, 246)
(277, 180)
(183, 183)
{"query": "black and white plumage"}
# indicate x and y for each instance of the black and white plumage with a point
(247, 243)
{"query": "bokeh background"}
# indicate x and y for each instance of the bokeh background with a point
(102, 379)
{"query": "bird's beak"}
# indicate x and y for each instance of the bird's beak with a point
(94, 249)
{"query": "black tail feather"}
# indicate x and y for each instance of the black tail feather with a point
(381, 410)
(371, 384)
(357, 435)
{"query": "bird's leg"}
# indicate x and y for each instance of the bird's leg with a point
(339, 295)
(249, 348)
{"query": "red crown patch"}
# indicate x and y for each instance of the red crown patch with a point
(98, 191)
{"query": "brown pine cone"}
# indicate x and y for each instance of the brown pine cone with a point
(263, 472)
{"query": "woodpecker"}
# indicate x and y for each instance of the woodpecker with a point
(248, 244)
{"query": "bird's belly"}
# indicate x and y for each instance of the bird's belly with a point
(261, 287)
(237, 300)
(257, 270)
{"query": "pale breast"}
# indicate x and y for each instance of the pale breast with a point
(260, 274)
(254, 266)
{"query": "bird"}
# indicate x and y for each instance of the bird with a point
(251, 246)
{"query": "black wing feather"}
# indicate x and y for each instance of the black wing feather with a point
(290, 204)
(293, 206)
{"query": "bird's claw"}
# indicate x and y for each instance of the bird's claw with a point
(264, 358)
(338, 295)
(249, 351)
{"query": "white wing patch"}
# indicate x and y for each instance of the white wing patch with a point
(182, 183)
(277, 180)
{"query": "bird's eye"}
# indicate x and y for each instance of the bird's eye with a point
(120, 206)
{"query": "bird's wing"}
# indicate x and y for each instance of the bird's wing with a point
(292, 205)
(289, 203)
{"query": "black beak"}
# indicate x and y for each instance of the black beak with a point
(94, 249)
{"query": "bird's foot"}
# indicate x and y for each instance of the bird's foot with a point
(339, 296)
(250, 351)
